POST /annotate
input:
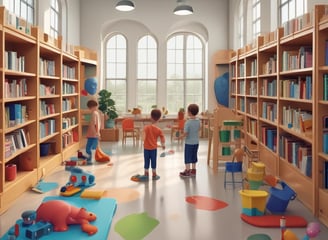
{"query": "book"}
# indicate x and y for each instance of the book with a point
(325, 142)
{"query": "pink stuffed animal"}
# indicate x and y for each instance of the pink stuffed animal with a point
(60, 214)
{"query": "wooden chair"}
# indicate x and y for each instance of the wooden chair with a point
(129, 131)
(177, 129)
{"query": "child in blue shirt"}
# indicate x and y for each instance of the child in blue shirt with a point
(191, 135)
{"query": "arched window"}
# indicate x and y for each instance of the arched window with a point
(22, 8)
(185, 71)
(256, 18)
(289, 9)
(54, 18)
(116, 76)
(147, 73)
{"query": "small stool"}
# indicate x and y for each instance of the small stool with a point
(234, 167)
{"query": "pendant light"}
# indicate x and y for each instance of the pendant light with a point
(183, 8)
(125, 5)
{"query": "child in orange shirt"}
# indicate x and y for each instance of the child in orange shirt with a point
(150, 135)
(93, 132)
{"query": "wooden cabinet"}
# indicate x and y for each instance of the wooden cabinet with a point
(321, 92)
(278, 85)
(39, 106)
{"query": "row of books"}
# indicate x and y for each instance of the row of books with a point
(242, 87)
(68, 72)
(19, 23)
(269, 87)
(46, 90)
(252, 88)
(14, 62)
(269, 111)
(241, 69)
(252, 108)
(242, 104)
(300, 88)
(47, 67)
(15, 114)
(297, 153)
(297, 24)
(269, 137)
(68, 104)
(46, 108)
(68, 88)
(67, 138)
(254, 67)
(15, 141)
(15, 88)
(270, 66)
(297, 119)
(69, 121)
(325, 175)
(252, 127)
(325, 86)
(47, 127)
(297, 59)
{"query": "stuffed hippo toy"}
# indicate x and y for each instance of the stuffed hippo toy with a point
(61, 214)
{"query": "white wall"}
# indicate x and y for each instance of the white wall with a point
(156, 17)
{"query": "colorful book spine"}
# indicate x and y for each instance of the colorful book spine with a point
(325, 143)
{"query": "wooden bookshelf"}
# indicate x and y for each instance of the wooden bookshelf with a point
(39, 105)
(286, 111)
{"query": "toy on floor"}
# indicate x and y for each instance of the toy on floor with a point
(169, 152)
(28, 228)
(61, 214)
(78, 180)
(139, 178)
(100, 156)
(79, 160)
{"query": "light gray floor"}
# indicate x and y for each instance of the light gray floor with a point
(165, 199)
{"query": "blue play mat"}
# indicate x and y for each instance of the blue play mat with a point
(104, 209)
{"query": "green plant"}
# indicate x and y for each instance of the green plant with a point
(107, 104)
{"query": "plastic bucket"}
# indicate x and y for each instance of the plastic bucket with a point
(279, 198)
(44, 149)
(224, 135)
(234, 166)
(253, 202)
(258, 167)
(255, 185)
(254, 176)
(226, 151)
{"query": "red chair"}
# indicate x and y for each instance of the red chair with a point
(129, 131)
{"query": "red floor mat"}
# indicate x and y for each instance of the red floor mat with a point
(274, 221)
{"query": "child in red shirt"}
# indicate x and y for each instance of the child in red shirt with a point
(150, 135)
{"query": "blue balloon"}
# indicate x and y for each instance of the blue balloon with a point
(90, 85)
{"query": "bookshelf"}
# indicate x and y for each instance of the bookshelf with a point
(39, 104)
(284, 108)
(321, 71)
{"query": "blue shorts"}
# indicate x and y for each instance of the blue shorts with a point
(190, 153)
(92, 144)
(150, 158)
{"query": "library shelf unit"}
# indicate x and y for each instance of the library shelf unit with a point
(88, 68)
(39, 106)
(278, 85)
(321, 74)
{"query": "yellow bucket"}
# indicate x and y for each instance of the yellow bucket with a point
(254, 176)
(253, 201)
(258, 167)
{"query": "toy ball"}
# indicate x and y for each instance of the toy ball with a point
(313, 229)
(90, 85)
(289, 235)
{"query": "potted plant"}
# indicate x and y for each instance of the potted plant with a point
(107, 107)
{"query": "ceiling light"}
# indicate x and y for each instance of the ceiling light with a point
(183, 8)
(125, 5)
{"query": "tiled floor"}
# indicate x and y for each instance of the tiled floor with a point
(165, 199)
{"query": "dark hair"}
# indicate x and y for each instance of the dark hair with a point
(156, 114)
(193, 109)
(92, 103)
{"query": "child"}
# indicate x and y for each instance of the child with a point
(93, 133)
(150, 135)
(191, 133)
